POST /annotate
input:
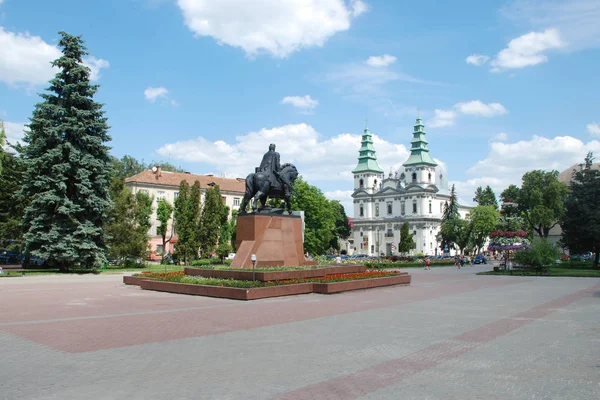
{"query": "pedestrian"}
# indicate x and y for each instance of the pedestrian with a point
(427, 263)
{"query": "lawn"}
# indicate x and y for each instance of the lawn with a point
(554, 271)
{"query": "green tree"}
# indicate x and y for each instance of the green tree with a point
(485, 197)
(164, 210)
(233, 230)
(406, 239)
(542, 200)
(2, 143)
(483, 221)
(450, 213)
(319, 216)
(342, 227)
(451, 207)
(225, 232)
(125, 167)
(581, 222)
(164, 166)
(223, 250)
(12, 207)
(128, 224)
(181, 221)
(509, 198)
(67, 167)
(212, 214)
(456, 231)
(541, 255)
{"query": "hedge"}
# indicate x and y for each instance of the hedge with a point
(407, 264)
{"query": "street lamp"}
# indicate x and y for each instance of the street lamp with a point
(253, 259)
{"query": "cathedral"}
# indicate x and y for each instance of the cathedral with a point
(416, 194)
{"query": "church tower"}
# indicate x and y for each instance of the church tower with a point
(368, 175)
(419, 167)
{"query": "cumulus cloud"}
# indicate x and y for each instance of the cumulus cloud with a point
(477, 59)
(159, 93)
(303, 102)
(300, 144)
(25, 59)
(442, 118)
(527, 50)
(345, 199)
(14, 131)
(501, 137)
(476, 107)
(277, 27)
(593, 128)
(381, 61)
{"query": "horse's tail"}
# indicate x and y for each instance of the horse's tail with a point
(250, 185)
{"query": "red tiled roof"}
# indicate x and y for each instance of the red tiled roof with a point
(165, 178)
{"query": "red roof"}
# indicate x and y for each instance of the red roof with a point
(164, 178)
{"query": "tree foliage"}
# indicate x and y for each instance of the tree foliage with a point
(164, 210)
(212, 214)
(581, 222)
(12, 207)
(485, 197)
(407, 242)
(187, 221)
(541, 200)
(319, 217)
(2, 143)
(482, 220)
(510, 201)
(128, 224)
(67, 167)
(342, 227)
(541, 255)
(456, 231)
(450, 207)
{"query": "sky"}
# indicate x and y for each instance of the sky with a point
(503, 87)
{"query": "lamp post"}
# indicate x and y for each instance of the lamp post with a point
(253, 259)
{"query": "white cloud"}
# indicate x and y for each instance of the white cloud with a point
(527, 50)
(577, 20)
(95, 65)
(477, 59)
(442, 118)
(501, 137)
(345, 199)
(303, 102)
(476, 107)
(153, 93)
(26, 59)
(14, 131)
(381, 61)
(300, 144)
(278, 27)
(593, 128)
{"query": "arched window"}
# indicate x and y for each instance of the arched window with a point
(414, 177)
(402, 208)
(414, 206)
(430, 207)
(362, 211)
(361, 183)
(377, 210)
(375, 182)
(429, 176)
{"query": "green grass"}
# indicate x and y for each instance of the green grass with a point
(112, 269)
(554, 271)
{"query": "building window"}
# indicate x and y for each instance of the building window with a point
(175, 195)
(223, 199)
(362, 211)
(389, 207)
(430, 211)
(441, 208)
(414, 177)
(361, 184)
(377, 210)
(402, 208)
(375, 182)
(389, 233)
(414, 206)
(429, 177)
(160, 195)
(236, 201)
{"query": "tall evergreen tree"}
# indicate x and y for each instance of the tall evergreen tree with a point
(164, 210)
(2, 143)
(181, 221)
(451, 207)
(407, 242)
(12, 208)
(485, 197)
(449, 216)
(212, 214)
(67, 167)
(581, 222)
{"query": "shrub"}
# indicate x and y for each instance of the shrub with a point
(541, 255)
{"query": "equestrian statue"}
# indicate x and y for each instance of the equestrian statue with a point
(269, 180)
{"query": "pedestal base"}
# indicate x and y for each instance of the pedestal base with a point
(275, 239)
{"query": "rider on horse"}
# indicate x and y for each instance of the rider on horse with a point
(270, 166)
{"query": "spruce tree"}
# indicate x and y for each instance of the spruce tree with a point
(407, 242)
(67, 167)
(181, 221)
(2, 142)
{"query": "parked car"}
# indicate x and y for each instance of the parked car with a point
(582, 257)
(9, 257)
(479, 259)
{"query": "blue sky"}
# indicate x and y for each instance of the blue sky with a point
(503, 87)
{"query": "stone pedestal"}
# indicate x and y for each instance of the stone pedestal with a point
(275, 239)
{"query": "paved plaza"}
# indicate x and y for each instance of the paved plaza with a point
(450, 335)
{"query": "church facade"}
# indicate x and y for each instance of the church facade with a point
(416, 193)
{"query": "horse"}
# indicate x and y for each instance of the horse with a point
(260, 187)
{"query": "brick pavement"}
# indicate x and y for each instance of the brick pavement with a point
(449, 335)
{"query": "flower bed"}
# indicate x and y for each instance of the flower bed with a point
(178, 282)
(274, 275)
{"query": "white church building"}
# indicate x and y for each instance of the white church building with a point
(416, 194)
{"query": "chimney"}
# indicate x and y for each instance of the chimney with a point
(156, 170)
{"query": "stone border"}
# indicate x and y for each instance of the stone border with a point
(337, 287)
(133, 280)
(272, 291)
(275, 275)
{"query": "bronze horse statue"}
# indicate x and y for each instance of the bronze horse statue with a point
(260, 186)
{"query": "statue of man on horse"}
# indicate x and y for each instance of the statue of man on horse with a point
(270, 179)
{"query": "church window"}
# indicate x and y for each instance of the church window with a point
(414, 206)
(361, 183)
(402, 208)
(362, 211)
(414, 177)
(430, 208)
(429, 177)
(441, 208)
(375, 182)
(389, 207)
(377, 210)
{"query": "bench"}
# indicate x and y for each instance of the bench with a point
(12, 268)
(527, 268)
